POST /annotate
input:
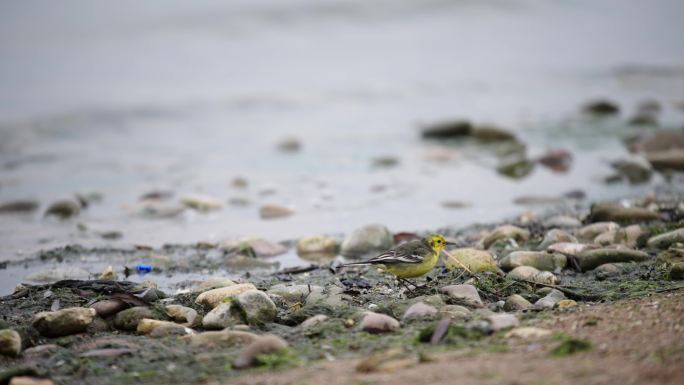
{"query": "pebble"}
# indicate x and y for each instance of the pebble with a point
(214, 297)
(556, 236)
(456, 312)
(314, 321)
(297, 293)
(591, 259)
(317, 244)
(378, 323)
(27, 380)
(515, 167)
(677, 271)
(256, 307)
(528, 333)
(273, 211)
(667, 160)
(463, 293)
(367, 239)
(224, 338)
(550, 300)
(148, 325)
(562, 221)
(529, 273)
(20, 206)
(665, 240)
(261, 248)
(222, 316)
(202, 203)
(538, 259)
(491, 134)
(183, 315)
(635, 168)
(289, 145)
(630, 236)
(617, 213)
(569, 248)
(447, 129)
(476, 260)
(601, 107)
(589, 232)
(10, 343)
(506, 232)
(419, 310)
(566, 304)
(558, 160)
(266, 344)
(502, 321)
(517, 302)
(108, 307)
(670, 256)
(63, 322)
(128, 319)
(63, 209)
(608, 270)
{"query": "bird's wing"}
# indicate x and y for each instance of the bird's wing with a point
(396, 256)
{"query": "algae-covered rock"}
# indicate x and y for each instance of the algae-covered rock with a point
(475, 260)
(529, 273)
(590, 259)
(10, 343)
(367, 239)
(379, 323)
(108, 307)
(506, 232)
(447, 129)
(256, 306)
(266, 344)
(671, 256)
(614, 212)
(214, 297)
(677, 271)
(128, 319)
(63, 209)
(540, 260)
(665, 240)
(63, 322)
(517, 302)
(202, 203)
(466, 294)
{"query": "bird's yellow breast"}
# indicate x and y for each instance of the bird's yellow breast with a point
(412, 270)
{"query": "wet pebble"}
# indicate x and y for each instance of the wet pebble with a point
(591, 259)
(667, 160)
(201, 203)
(506, 232)
(487, 133)
(214, 297)
(601, 212)
(447, 129)
(529, 273)
(10, 343)
(550, 300)
(379, 323)
(516, 302)
(665, 240)
(273, 211)
(108, 307)
(224, 315)
(256, 307)
(466, 294)
(636, 169)
(540, 260)
(502, 321)
(475, 260)
(19, 206)
(558, 160)
(419, 310)
(183, 315)
(128, 319)
(63, 322)
(63, 209)
(224, 338)
(367, 239)
(266, 344)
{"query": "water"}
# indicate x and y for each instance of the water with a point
(123, 98)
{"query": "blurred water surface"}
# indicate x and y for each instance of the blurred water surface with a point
(125, 97)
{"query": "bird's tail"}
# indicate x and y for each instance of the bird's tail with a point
(356, 264)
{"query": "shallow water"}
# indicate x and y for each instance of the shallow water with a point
(123, 98)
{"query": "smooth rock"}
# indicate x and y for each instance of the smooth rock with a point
(601, 107)
(562, 221)
(317, 244)
(313, 321)
(128, 319)
(636, 169)
(502, 321)
(538, 259)
(589, 232)
(556, 236)
(515, 167)
(558, 160)
(273, 211)
(214, 297)
(224, 315)
(213, 283)
(677, 271)
(529, 273)
(491, 134)
(466, 294)
(224, 338)
(63, 209)
(528, 333)
(608, 270)
(58, 274)
(550, 300)
(419, 310)
(201, 203)
(183, 315)
(516, 302)
(147, 326)
(108, 307)
(667, 160)
(590, 259)
(447, 129)
(665, 240)
(661, 142)
(630, 236)
(367, 239)
(506, 232)
(289, 145)
(569, 248)
(614, 212)
(63, 322)
(566, 304)
(256, 306)
(266, 344)
(19, 206)
(10, 343)
(379, 323)
(475, 260)
(455, 312)
(297, 293)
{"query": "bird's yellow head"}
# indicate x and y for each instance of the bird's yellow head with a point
(436, 242)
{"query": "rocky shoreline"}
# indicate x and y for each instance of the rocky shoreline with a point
(111, 330)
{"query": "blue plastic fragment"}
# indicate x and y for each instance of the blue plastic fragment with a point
(143, 269)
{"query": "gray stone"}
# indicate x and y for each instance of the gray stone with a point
(517, 302)
(256, 306)
(506, 232)
(502, 321)
(379, 323)
(367, 239)
(63, 322)
(563, 221)
(555, 236)
(663, 241)
(540, 260)
(266, 344)
(128, 319)
(550, 300)
(529, 273)
(591, 259)
(590, 232)
(466, 294)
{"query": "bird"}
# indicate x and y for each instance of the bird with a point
(411, 259)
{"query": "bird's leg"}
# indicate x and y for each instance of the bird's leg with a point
(457, 261)
(406, 283)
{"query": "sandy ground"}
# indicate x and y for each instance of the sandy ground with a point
(634, 342)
